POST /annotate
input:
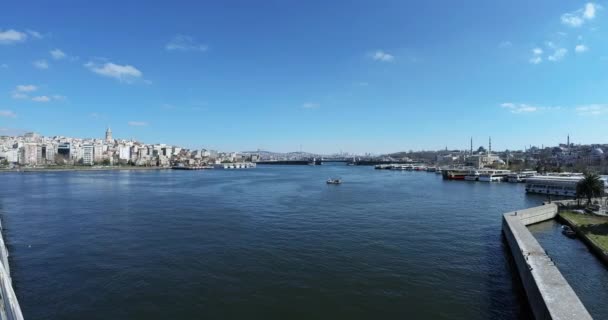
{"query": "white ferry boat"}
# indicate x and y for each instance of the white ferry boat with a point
(494, 175)
(520, 176)
(559, 185)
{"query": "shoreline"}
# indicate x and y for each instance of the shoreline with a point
(63, 169)
(583, 234)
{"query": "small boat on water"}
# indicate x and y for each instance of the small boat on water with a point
(472, 176)
(568, 232)
(334, 181)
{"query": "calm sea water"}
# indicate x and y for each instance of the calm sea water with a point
(274, 242)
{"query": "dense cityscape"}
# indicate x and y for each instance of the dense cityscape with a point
(34, 150)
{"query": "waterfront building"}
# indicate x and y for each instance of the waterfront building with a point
(98, 152)
(44, 153)
(87, 154)
(124, 153)
(63, 150)
(11, 155)
(559, 185)
(51, 149)
(29, 154)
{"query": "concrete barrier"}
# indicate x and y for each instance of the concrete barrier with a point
(549, 294)
(9, 305)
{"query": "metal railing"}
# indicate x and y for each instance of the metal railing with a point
(9, 305)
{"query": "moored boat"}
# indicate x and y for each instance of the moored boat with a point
(472, 176)
(520, 176)
(568, 232)
(455, 174)
(494, 175)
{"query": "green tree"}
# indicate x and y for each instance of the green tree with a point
(589, 187)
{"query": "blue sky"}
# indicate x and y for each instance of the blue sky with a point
(357, 76)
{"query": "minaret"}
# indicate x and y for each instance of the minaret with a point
(490, 147)
(108, 134)
(568, 145)
(471, 145)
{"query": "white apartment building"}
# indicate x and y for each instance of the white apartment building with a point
(88, 154)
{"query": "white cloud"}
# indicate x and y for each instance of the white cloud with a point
(579, 17)
(383, 56)
(572, 20)
(137, 123)
(41, 64)
(536, 60)
(7, 114)
(505, 44)
(310, 105)
(19, 95)
(558, 55)
(581, 48)
(26, 88)
(57, 54)
(21, 90)
(182, 42)
(123, 73)
(536, 56)
(523, 108)
(11, 36)
(589, 11)
(41, 99)
(592, 109)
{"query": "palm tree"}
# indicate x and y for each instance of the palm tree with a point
(590, 186)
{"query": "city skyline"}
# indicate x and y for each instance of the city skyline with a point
(319, 77)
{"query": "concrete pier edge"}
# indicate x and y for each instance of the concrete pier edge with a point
(549, 294)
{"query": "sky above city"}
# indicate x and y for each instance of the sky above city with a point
(318, 76)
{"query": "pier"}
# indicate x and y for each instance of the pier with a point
(549, 294)
(9, 305)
